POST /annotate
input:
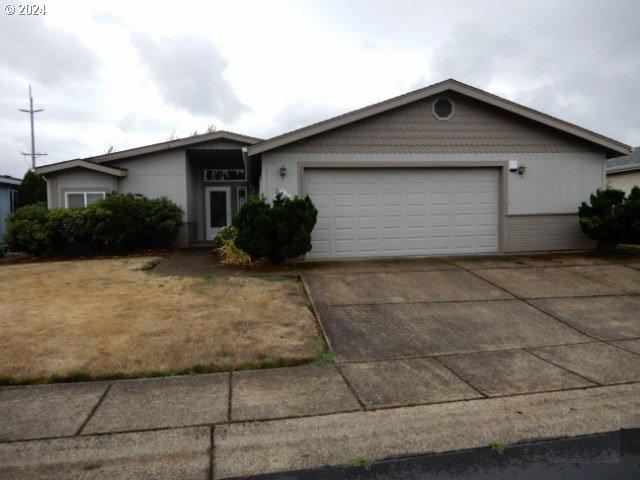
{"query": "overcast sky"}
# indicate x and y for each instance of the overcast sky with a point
(127, 74)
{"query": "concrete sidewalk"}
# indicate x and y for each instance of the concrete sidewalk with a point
(245, 423)
(565, 377)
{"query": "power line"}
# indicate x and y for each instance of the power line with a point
(31, 111)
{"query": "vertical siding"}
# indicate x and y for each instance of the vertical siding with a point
(157, 175)
(530, 233)
(78, 180)
(4, 205)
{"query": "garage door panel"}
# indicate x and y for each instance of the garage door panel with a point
(368, 199)
(417, 221)
(344, 223)
(321, 200)
(392, 199)
(344, 246)
(392, 222)
(322, 223)
(368, 222)
(386, 212)
(369, 244)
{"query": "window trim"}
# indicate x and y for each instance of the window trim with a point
(224, 172)
(84, 194)
(13, 200)
(238, 206)
(433, 108)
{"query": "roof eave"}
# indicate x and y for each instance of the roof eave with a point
(613, 148)
(9, 181)
(631, 168)
(59, 167)
(174, 144)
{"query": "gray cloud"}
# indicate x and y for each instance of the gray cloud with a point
(580, 64)
(132, 122)
(42, 53)
(188, 71)
(301, 113)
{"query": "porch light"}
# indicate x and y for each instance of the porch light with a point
(283, 171)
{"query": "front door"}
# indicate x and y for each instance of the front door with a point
(217, 209)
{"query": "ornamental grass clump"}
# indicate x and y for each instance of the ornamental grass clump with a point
(226, 248)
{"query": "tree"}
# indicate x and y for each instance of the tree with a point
(32, 190)
(630, 217)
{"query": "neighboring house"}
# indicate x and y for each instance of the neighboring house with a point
(8, 198)
(624, 172)
(448, 169)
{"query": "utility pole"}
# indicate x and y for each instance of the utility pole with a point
(31, 111)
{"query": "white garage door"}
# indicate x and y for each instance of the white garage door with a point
(403, 211)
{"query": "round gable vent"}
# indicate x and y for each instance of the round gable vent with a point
(443, 108)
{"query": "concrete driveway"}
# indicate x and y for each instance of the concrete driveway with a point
(409, 332)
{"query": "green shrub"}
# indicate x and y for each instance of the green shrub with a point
(32, 190)
(602, 219)
(630, 217)
(131, 221)
(117, 223)
(27, 229)
(276, 232)
(293, 220)
(162, 222)
(255, 229)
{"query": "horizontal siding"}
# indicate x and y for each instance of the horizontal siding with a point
(475, 127)
(624, 181)
(530, 233)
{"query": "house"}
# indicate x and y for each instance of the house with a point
(8, 198)
(447, 169)
(623, 173)
(207, 175)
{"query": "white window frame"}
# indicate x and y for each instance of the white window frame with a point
(433, 108)
(84, 193)
(13, 200)
(209, 175)
(238, 206)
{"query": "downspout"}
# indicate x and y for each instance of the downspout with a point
(48, 192)
(247, 168)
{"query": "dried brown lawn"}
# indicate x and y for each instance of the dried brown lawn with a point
(107, 316)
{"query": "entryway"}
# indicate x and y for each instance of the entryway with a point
(217, 209)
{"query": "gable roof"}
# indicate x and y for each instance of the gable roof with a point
(626, 163)
(79, 163)
(177, 143)
(147, 149)
(612, 147)
(9, 180)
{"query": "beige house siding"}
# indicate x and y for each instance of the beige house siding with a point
(528, 233)
(624, 181)
(475, 127)
(78, 181)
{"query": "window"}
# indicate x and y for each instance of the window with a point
(13, 200)
(224, 175)
(242, 197)
(82, 199)
(443, 108)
